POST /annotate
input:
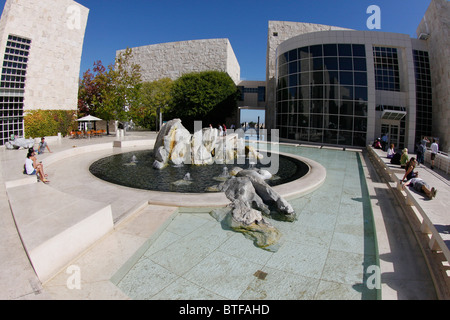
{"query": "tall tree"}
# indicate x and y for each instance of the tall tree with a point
(210, 96)
(90, 87)
(152, 95)
(110, 93)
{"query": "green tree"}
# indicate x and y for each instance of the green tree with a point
(210, 96)
(152, 95)
(90, 89)
(109, 93)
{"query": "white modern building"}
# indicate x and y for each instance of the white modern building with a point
(330, 85)
(41, 42)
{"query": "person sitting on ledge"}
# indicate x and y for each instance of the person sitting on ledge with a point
(404, 158)
(409, 170)
(42, 145)
(32, 167)
(391, 151)
(421, 186)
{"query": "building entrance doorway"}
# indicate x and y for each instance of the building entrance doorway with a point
(393, 132)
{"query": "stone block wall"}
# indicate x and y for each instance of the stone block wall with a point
(56, 29)
(173, 59)
(436, 23)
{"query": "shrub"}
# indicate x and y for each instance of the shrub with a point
(39, 123)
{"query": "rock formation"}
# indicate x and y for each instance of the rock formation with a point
(252, 199)
(175, 145)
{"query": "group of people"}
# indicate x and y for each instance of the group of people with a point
(32, 166)
(222, 129)
(411, 177)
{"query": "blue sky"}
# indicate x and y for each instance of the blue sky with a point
(118, 24)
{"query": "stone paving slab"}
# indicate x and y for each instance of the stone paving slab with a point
(121, 246)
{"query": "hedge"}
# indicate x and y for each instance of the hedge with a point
(39, 123)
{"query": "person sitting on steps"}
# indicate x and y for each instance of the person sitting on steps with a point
(32, 167)
(409, 170)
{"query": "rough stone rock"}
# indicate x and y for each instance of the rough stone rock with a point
(202, 145)
(172, 144)
(267, 193)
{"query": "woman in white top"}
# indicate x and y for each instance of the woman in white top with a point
(391, 151)
(32, 167)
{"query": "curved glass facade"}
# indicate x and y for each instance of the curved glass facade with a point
(321, 94)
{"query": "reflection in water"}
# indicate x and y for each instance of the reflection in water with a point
(135, 170)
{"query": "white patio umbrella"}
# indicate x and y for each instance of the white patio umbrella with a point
(89, 119)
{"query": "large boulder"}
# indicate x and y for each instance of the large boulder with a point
(251, 200)
(246, 211)
(172, 144)
(203, 145)
(268, 194)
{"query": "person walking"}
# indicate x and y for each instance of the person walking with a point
(434, 152)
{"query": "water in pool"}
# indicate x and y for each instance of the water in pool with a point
(328, 253)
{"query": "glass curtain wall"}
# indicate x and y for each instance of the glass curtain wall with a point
(12, 86)
(424, 103)
(322, 94)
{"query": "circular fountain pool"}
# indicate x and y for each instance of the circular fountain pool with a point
(135, 170)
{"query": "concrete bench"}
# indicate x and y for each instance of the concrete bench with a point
(435, 222)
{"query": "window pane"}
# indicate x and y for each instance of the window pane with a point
(303, 65)
(293, 67)
(346, 92)
(346, 108)
(317, 63)
(329, 50)
(317, 92)
(331, 92)
(303, 78)
(331, 77)
(360, 124)
(316, 51)
(345, 64)
(346, 77)
(330, 63)
(345, 123)
(317, 77)
(292, 55)
(304, 53)
(317, 106)
(359, 64)
(345, 50)
(359, 50)
(360, 93)
(360, 78)
(316, 121)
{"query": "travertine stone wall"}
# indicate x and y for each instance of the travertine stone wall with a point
(436, 23)
(173, 59)
(56, 29)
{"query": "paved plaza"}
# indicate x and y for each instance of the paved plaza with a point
(154, 250)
